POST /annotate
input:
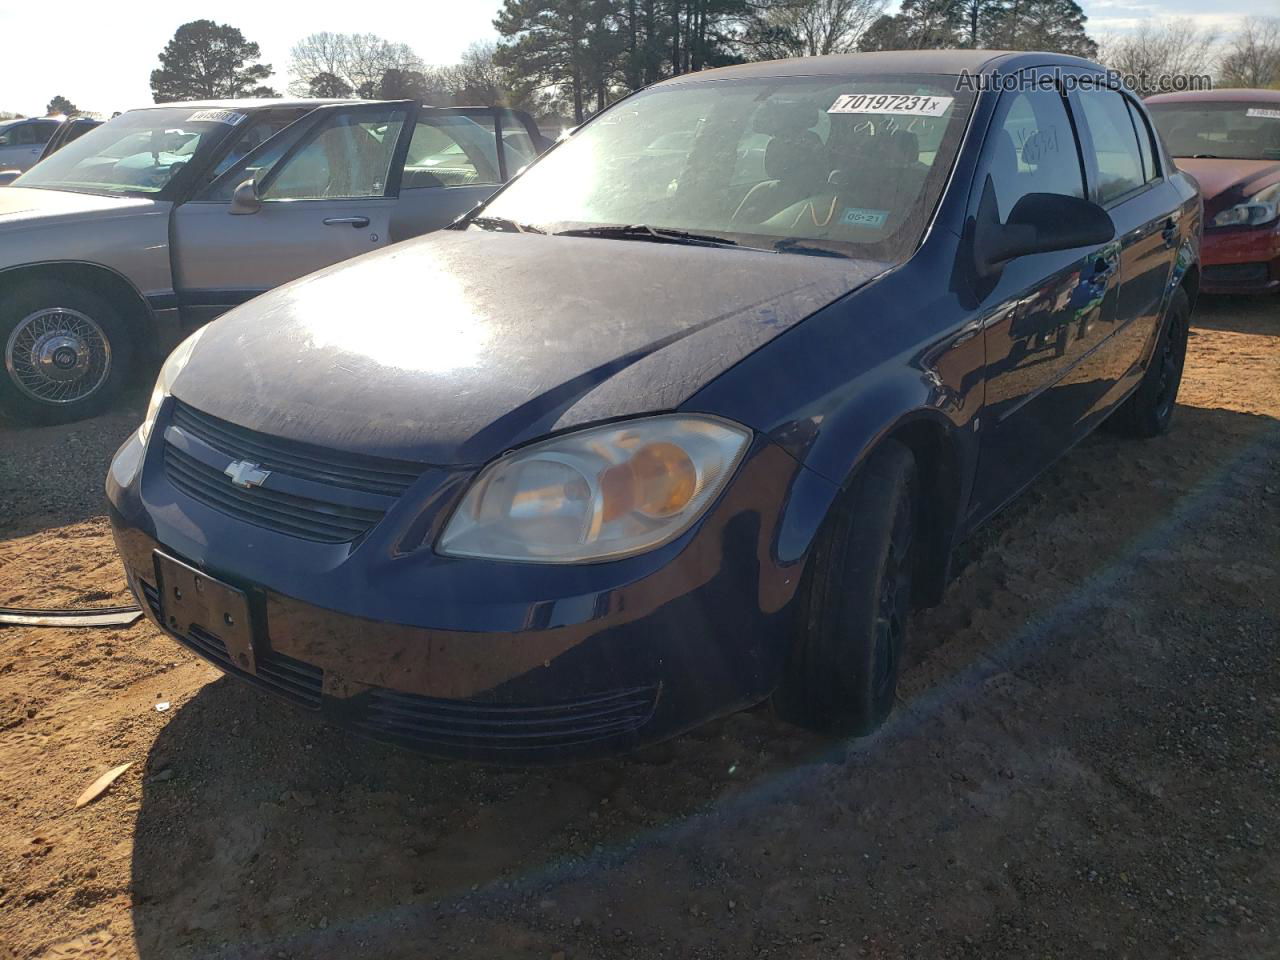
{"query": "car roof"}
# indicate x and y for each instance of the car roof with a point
(1221, 95)
(940, 62)
(252, 103)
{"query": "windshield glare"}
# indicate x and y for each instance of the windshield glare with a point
(137, 153)
(757, 161)
(1236, 131)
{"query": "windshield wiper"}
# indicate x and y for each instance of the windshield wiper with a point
(793, 245)
(1205, 156)
(642, 231)
(502, 224)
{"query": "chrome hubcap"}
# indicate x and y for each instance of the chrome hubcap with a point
(58, 355)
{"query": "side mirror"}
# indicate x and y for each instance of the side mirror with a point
(8, 176)
(245, 199)
(1038, 223)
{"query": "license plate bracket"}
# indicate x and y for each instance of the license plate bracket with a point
(191, 598)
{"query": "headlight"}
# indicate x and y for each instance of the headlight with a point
(1262, 207)
(164, 383)
(597, 494)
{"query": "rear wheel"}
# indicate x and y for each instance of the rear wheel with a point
(1149, 411)
(842, 673)
(66, 351)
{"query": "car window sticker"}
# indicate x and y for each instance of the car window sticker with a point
(216, 116)
(1263, 112)
(861, 217)
(902, 104)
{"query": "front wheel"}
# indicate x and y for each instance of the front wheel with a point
(1149, 411)
(66, 353)
(841, 675)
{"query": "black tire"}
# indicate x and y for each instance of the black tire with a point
(841, 675)
(1149, 409)
(65, 351)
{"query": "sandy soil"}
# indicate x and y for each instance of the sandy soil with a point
(1084, 762)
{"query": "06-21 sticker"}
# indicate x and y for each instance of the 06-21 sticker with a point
(901, 104)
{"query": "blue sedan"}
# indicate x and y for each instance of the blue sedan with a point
(689, 416)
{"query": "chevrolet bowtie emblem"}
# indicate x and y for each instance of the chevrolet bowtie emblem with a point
(246, 474)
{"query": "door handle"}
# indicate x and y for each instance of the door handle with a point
(354, 222)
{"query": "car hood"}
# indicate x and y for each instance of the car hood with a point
(457, 346)
(20, 206)
(1239, 178)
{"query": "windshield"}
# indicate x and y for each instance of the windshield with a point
(854, 164)
(137, 153)
(1236, 131)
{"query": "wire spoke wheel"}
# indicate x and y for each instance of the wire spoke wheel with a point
(58, 355)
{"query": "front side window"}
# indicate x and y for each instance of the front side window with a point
(136, 154)
(1232, 131)
(1115, 143)
(852, 165)
(347, 156)
(1032, 150)
(261, 127)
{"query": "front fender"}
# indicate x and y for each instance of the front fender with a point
(900, 357)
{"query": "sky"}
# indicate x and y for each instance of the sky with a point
(103, 61)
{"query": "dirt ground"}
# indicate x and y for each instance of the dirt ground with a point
(1084, 761)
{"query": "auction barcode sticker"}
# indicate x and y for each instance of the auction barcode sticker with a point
(1263, 112)
(216, 116)
(906, 104)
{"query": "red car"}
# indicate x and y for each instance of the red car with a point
(1229, 140)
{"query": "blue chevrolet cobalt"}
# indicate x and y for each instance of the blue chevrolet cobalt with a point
(688, 417)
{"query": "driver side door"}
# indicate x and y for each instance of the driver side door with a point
(327, 185)
(1045, 314)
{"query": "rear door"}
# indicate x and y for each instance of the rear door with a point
(328, 186)
(452, 164)
(457, 158)
(1122, 164)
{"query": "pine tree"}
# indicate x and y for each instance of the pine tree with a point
(919, 25)
(61, 105)
(561, 43)
(1053, 25)
(206, 61)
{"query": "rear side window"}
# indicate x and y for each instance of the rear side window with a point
(1115, 144)
(1033, 149)
(450, 152)
(1146, 145)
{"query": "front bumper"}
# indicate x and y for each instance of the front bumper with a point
(497, 662)
(1240, 260)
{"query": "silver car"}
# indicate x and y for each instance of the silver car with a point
(22, 141)
(117, 245)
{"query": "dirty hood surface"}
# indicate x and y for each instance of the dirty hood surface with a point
(457, 346)
(20, 207)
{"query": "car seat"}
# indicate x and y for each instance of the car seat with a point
(794, 161)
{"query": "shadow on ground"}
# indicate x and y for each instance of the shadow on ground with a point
(1030, 758)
